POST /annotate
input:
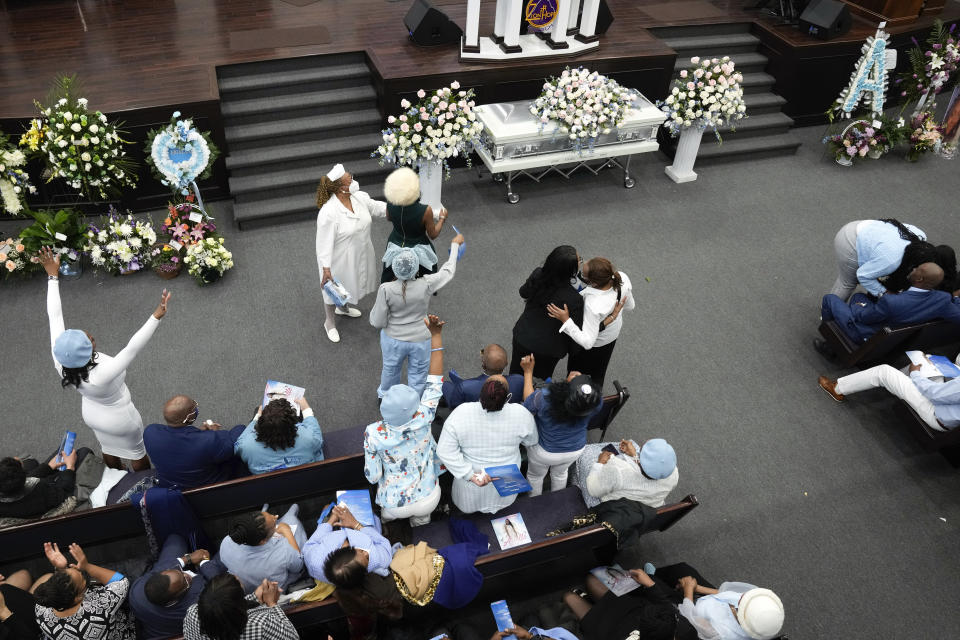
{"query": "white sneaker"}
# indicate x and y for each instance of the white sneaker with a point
(333, 334)
(351, 312)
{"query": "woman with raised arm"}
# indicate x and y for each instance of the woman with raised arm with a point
(107, 407)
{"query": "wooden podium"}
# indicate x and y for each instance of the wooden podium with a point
(894, 12)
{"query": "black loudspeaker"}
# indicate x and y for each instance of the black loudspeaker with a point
(429, 26)
(825, 19)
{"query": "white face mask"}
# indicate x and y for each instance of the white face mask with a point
(354, 187)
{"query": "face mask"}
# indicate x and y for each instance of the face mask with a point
(354, 187)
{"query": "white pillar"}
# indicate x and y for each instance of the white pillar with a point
(687, 147)
(572, 14)
(511, 35)
(558, 34)
(501, 21)
(588, 21)
(471, 36)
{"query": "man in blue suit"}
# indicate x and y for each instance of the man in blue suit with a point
(493, 360)
(863, 317)
(160, 598)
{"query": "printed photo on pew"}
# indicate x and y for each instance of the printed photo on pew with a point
(615, 578)
(508, 480)
(511, 531)
(275, 390)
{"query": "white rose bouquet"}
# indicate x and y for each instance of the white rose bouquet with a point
(706, 95)
(208, 259)
(442, 125)
(80, 146)
(14, 181)
(119, 243)
(583, 104)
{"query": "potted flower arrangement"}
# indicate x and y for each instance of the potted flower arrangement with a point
(14, 181)
(583, 104)
(15, 259)
(926, 135)
(930, 70)
(62, 231)
(707, 95)
(179, 154)
(79, 145)
(440, 126)
(165, 260)
(186, 223)
(208, 260)
(119, 243)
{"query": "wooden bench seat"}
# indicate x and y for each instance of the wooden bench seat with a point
(887, 343)
(341, 468)
(930, 439)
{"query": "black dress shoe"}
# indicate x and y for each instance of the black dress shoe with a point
(821, 347)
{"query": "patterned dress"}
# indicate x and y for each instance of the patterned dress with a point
(102, 616)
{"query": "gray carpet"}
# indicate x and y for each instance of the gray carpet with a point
(835, 507)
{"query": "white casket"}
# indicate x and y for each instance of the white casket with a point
(514, 140)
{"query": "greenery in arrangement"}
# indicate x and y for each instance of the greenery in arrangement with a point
(186, 223)
(178, 154)
(582, 104)
(81, 146)
(866, 139)
(208, 260)
(930, 69)
(119, 243)
(925, 135)
(442, 125)
(165, 258)
(14, 181)
(63, 231)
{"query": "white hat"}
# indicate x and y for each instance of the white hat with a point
(336, 173)
(760, 613)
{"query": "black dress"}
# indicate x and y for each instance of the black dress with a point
(649, 610)
(537, 333)
(22, 624)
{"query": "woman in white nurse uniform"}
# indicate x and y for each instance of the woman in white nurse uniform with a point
(344, 249)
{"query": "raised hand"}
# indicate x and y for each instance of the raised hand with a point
(527, 363)
(78, 555)
(434, 324)
(50, 261)
(56, 558)
(161, 309)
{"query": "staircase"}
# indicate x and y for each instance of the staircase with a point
(765, 132)
(287, 122)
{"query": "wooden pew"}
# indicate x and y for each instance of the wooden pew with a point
(930, 439)
(884, 343)
(611, 407)
(342, 468)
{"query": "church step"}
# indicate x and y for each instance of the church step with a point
(751, 147)
(758, 103)
(260, 185)
(290, 208)
(284, 65)
(693, 30)
(293, 130)
(285, 81)
(757, 82)
(713, 45)
(250, 111)
(332, 150)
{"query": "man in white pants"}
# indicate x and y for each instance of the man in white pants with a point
(937, 403)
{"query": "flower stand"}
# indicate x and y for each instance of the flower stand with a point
(431, 183)
(689, 144)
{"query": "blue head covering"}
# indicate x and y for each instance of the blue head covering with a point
(399, 404)
(658, 459)
(73, 349)
(405, 264)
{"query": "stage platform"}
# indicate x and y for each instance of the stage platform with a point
(141, 59)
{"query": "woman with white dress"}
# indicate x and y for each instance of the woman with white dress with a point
(344, 249)
(607, 293)
(106, 407)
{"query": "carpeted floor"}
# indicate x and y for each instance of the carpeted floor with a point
(835, 507)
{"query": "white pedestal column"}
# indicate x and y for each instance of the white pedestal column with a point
(558, 31)
(431, 183)
(687, 147)
(588, 21)
(471, 36)
(573, 11)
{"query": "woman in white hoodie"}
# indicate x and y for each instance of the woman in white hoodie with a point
(607, 293)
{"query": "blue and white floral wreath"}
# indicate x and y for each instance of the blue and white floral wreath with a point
(180, 154)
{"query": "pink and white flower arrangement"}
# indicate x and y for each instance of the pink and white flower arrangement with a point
(707, 95)
(440, 126)
(583, 105)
